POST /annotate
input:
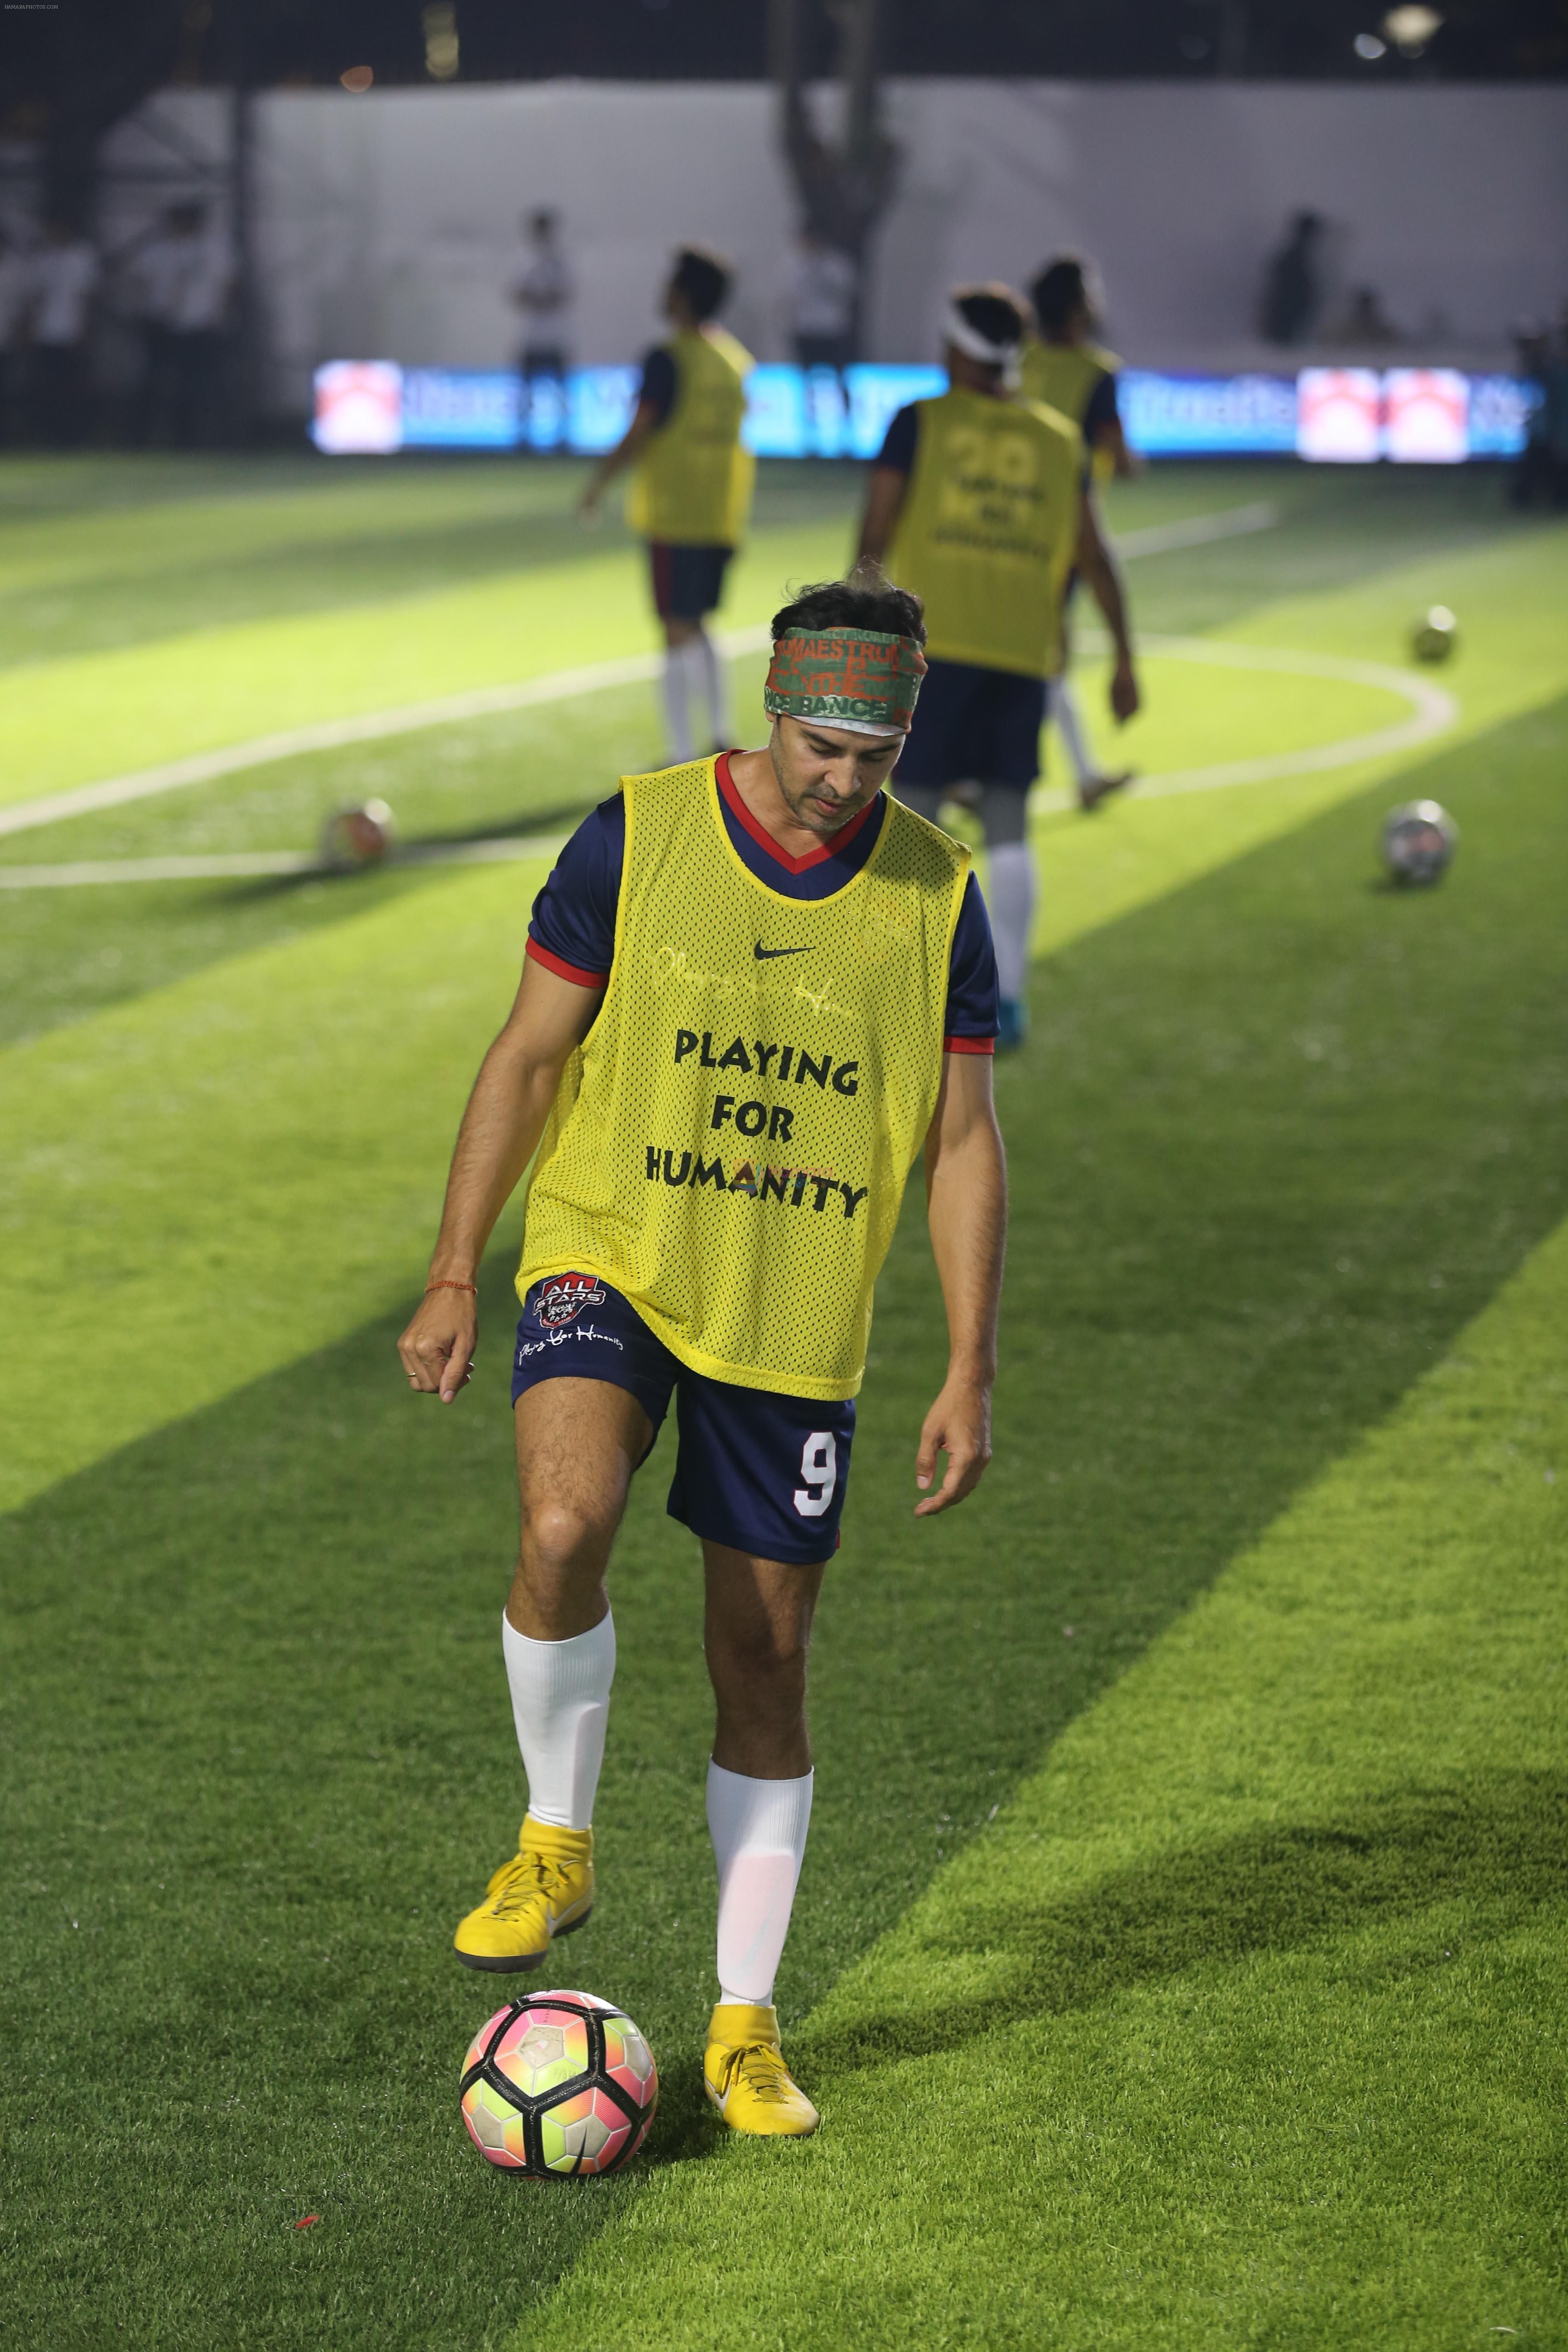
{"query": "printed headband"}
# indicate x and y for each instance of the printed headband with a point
(862, 680)
(957, 329)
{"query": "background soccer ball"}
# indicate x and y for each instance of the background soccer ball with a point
(1435, 635)
(558, 2084)
(1418, 841)
(354, 837)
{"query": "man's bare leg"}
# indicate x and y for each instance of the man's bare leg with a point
(756, 1634)
(758, 1629)
(578, 1442)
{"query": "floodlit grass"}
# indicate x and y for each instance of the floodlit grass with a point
(1244, 2022)
(1187, 1977)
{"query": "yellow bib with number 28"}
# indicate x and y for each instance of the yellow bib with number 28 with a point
(989, 528)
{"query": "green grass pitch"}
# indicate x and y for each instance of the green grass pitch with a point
(1179, 1955)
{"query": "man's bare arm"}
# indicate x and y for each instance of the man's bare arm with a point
(1112, 437)
(498, 1138)
(626, 451)
(966, 1200)
(1097, 565)
(884, 503)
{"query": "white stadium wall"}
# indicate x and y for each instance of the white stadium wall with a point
(387, 223)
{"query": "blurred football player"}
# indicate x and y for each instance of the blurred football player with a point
(691, 488)
(979, 503)
(1066, 368)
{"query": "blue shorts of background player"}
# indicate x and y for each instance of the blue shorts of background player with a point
(688, 582)
(975, 723)
(764, 1474)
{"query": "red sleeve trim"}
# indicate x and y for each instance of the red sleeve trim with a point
(564, 971)
(969, 1045)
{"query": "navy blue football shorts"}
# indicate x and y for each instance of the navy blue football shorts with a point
(688, 582)
(762, 1473)
(973, 723)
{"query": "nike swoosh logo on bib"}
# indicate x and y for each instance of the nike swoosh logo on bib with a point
(765, 955)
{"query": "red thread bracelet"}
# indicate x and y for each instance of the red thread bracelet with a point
(451, 1285)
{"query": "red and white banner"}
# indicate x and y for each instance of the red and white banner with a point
(1426, 416)
(1338, 415)
(359, 408)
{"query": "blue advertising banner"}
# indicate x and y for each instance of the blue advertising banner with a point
(1331, 415)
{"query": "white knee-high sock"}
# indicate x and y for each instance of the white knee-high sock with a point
(677, 704)
(560, 1705)
(684, 676)
(716, 686)
(1069, 727)
(758, 1829)
(1012, 895)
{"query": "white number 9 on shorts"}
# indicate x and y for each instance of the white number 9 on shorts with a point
(819, 1470)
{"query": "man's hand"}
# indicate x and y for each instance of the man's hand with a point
(959, 1425)
(437, 1348)
(966, 1195)
(1125, 699)
(518, 1081)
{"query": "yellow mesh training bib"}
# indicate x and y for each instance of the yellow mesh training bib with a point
(988, 530)
(693, 487)
(729, 1144)
(1064, 375)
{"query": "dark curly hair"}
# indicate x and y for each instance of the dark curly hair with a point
(703, 278)
(1059, 290)
(867, 600)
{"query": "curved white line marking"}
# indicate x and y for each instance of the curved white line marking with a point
(482, 702)
(1433, 710)
(330, 734)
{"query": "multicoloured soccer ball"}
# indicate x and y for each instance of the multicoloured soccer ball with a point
(1435, 635)
(1418, 842)
(354, 837)
(559, 2083)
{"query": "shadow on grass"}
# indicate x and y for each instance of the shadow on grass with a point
(1500, 1837)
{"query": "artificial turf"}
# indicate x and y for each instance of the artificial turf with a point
(1236, 2023)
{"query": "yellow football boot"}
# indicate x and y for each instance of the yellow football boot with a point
(544, 1890)
(746, 2076)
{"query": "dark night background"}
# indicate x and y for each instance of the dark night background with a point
(86, 45)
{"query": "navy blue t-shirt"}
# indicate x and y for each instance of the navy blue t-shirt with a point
(573, 928)
(898, 449)
(1101, 410)
(658, 382)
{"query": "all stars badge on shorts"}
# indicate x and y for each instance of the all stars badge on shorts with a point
(563, 1298)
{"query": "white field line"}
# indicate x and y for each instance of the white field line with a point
(247, 865)
(560, 686)
(331, 734)
(1432, 712)
(1198, 530)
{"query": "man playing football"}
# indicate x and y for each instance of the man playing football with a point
(756, 987)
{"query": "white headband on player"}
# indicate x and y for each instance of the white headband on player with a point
(968, 339)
